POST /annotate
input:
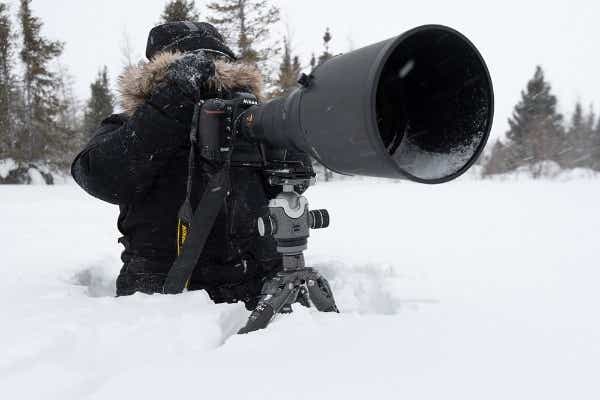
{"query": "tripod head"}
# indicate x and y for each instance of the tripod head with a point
(289, 220)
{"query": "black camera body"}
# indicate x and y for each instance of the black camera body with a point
(224, 138)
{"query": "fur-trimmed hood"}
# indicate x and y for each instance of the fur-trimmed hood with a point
(137, 82)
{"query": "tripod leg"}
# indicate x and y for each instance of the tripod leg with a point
(321, 294)
(303, 297)
(277, 293)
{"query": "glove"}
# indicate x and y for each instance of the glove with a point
(182, 88)
(190, 72)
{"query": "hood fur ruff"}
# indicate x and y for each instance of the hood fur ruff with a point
(137, 82)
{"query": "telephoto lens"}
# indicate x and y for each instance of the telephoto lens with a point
(418, 106)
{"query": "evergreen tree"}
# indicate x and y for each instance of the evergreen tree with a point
(574, 142)
(180, 10)
(590, 121)
(247, 24)
(595, 147)
(579, 141)
(7, 88)
(577, 119)
(326, 55)
(297, 68)
(535, 126)
(40, 84)
(589, 142)
(68, 137)
(70, 110)
(497, 162)
(101, 102)
(289, 70)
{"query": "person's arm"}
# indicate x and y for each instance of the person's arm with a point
(121, 161)
(126, 153)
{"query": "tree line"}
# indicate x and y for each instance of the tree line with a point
(43, 125)
(540, 139)
(38, 114)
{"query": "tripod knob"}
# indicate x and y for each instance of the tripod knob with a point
(266, 226)
(319, 219)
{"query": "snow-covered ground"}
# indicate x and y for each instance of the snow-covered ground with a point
(469, 290)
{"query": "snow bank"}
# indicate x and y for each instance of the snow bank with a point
(471, 290)
(547, 170)
(7, 165)
(12, 172)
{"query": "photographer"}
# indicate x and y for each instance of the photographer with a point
(139, 160)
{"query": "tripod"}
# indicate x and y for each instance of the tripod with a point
(289, 222)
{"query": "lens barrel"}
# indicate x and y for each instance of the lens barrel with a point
(418, 106)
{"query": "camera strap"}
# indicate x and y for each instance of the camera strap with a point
(193, 228)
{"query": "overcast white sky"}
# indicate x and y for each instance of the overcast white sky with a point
(512, 35)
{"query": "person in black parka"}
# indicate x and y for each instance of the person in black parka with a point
(138, 160)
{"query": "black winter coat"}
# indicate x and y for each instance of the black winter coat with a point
(138, 160)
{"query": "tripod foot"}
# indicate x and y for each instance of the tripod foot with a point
(259, 319)
(304, 286)
(277, 294)
(320, 293)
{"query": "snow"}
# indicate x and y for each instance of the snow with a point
(36, 177)
(472, 290)
(548, 170)
(6, 165)
(433, 166)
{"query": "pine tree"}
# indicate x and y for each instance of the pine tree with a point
(574, 141)
(589, 140)
(247, 24)
(180, 10)
(68, 137)
(40, 84)
(577, 118)
(535, 127)
(289, 70)
(497, 162)
(101, 102)
(6, 83)
(297, 68)
(595, 147)
(326, 55)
